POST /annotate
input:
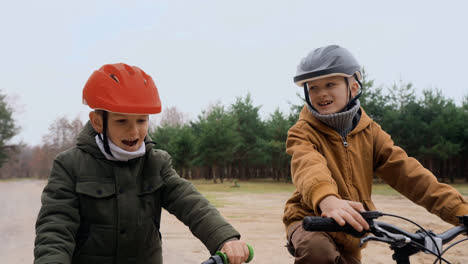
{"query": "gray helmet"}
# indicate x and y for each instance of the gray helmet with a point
(327, 61)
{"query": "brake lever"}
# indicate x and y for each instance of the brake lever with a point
(374, 238)
(383, 235)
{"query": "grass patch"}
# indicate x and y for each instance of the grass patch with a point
(383, 189)
(14, 179)
(252, 186)
(270, 186)
(215, 200)
(8, 180)
(21, 179)
(461, 187)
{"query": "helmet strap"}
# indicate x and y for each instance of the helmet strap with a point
(104, 132)
(306, 95)
(352, 100)
(350, 96)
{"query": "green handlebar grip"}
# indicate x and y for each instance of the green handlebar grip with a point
(251, 253)
(223, 256)
(226, 260)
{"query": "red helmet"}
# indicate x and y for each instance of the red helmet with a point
(121, 88)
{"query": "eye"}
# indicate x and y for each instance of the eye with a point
(142, 121)
(331, 84)
(121, 121)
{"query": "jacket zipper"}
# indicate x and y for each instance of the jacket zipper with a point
(345, 144)
(352, 190)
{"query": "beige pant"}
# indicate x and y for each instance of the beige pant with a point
(315, 247)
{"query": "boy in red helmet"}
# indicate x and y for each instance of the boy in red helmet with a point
(103, 200)
(336, 149)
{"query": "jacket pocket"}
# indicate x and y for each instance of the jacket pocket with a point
(95, 189)
(100, 242)
(81, 237)
(150, 198)
(150, 184)
(150, 235)
(84, 259)
(98, 203)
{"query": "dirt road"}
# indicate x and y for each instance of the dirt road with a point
(256, 216)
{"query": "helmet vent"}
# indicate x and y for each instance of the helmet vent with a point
(144, 80)
(129, 69)
(114, 77)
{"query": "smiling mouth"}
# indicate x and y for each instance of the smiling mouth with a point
(130, 143)
(325, 103)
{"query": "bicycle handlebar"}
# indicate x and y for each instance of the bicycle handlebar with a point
(222, 258)
(324, 224)
(384, 232)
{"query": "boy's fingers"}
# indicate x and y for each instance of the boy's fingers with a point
(237, 252)
(357, 206)
(246, 253)
(358, 217)
(352, 221)
(338, 219)
(232, 256)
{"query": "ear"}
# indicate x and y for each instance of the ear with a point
(96, 121)
(354, 88)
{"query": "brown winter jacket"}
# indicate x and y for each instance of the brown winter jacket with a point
(324, 164)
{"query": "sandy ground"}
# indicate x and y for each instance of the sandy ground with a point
(256, 216)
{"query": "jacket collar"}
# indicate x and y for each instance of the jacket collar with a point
(305, 115)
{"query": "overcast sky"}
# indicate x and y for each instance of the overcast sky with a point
(202, 52)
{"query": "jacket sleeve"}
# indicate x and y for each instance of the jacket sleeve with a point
(181, 199)
(407, 176)
(310, 174)
(58, 218)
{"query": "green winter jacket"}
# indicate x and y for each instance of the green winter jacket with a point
(100, 211)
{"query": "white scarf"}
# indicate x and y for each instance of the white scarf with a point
(119, 154)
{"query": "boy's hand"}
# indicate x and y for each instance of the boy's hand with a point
(236, 251)
(343, 212)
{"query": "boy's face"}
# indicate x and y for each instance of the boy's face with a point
(330, 95)
(126, 131)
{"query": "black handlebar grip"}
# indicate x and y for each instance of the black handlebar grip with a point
(324, 224)
(371, 215)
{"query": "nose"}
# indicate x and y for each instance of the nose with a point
(133, 130)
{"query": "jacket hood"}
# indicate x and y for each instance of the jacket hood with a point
(307, 116)
(86, 141)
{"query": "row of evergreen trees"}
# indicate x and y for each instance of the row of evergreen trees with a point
(432, 129)
(228, 142)
(234, 142)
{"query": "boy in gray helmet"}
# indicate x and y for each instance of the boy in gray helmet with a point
(336, 150)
